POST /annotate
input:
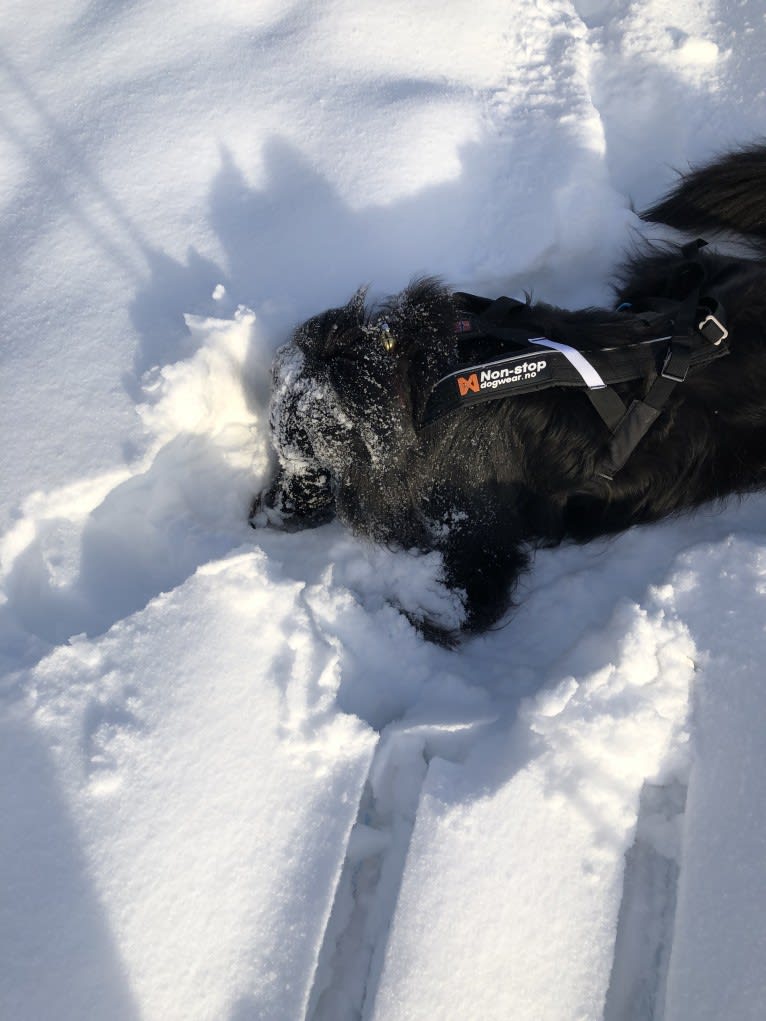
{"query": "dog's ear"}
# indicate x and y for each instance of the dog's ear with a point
(329, 333)
(429, 315)
(424, 316)
(423, 322)
(343, 331)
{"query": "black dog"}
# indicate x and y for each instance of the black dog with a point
(448, 422)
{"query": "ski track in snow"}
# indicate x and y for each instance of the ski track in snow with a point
(233, 741)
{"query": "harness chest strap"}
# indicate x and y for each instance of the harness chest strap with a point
(689, 333)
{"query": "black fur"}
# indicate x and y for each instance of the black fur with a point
(486, 484)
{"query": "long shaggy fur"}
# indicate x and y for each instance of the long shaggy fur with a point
(485, 485)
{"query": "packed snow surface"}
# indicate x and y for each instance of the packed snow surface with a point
(235, 783)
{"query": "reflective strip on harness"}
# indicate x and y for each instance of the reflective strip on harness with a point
(576, 359)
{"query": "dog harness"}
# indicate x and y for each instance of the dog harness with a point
(698, 338)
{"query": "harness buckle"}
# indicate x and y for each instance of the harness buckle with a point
(713, 330)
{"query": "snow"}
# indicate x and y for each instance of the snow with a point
(716, 967)
(236, 783)
(178, 853)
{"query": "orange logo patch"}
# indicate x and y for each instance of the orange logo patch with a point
(465, 385)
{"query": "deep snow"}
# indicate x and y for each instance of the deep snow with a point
(235, 783)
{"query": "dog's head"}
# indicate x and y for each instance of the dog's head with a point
(346, 398)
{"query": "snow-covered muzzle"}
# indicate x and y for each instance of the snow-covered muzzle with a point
(324, 387)
(301, 493)
(340, 405)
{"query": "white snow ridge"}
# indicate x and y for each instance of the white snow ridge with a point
(235, 783)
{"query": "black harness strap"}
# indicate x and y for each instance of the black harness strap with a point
(539, 363)
(641, 415)
(609, 405)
